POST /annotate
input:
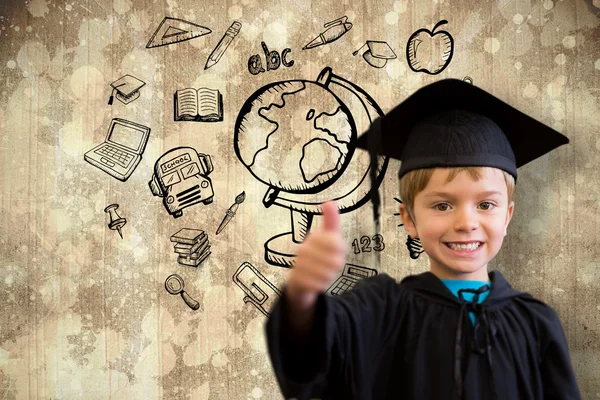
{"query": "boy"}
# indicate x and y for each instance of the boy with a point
(457, 331)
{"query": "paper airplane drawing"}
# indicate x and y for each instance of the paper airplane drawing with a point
(174, 30)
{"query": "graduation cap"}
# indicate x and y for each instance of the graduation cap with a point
(452, 123)
(377, 54)
(127, 88)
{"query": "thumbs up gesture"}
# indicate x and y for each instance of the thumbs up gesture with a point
(319, 259)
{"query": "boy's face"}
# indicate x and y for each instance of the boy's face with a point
(450, 215)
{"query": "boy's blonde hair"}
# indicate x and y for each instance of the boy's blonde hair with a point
(416, 180)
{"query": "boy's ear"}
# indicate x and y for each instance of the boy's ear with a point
(509, 214)
(408, 222)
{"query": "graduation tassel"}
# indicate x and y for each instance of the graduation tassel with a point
(375, 200)
(112, 96)
(374, 150)
(356, 52)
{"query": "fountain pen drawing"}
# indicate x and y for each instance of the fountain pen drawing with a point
(335, 30)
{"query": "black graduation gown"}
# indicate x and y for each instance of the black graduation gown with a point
(384, 340)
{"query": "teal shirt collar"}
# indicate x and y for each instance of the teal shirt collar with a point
(455, 285)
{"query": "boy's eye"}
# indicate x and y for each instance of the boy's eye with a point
(441, 206)
(486, 205)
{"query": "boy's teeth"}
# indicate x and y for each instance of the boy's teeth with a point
(470, 246)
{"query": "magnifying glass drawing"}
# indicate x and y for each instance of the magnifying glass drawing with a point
(174, 285)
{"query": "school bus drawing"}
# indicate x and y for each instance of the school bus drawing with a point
(181, 179)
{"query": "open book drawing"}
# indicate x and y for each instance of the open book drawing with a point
(202, 105)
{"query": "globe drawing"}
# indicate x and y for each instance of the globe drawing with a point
(298, 137)
(295, 136)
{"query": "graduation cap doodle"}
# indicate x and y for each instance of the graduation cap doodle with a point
(453, 123)
(377, 54)
(127, 89)
(173, 30)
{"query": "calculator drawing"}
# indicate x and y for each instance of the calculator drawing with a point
(259, 291)
(121, 151)
(350, 277)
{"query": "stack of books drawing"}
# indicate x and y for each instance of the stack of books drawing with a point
(192, 246)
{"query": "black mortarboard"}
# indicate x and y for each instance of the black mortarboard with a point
(452, 123)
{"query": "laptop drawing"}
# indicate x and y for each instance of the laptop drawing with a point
(121, 151)
(350, 277)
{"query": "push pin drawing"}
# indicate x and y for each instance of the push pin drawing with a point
(116, 222)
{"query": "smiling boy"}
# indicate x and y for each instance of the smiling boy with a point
(457, 331)
(463, 215)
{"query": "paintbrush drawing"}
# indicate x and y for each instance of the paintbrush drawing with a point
(230, 213)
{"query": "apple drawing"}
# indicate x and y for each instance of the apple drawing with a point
(430, 52)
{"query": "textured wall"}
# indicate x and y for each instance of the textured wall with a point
(85, 314)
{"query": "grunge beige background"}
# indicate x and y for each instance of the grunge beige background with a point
(84, 313)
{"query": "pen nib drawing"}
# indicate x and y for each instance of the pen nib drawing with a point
(231, 211)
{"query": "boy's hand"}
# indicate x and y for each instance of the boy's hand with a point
(319, 259)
